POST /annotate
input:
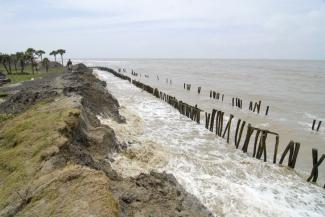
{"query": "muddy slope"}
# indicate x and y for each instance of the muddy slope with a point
(70, 173)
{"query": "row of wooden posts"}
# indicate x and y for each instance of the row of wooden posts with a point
(214, 122)
(216, 95)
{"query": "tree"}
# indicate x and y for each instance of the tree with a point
(46, 64)
(14, 60)
(61, 52)
(30, 55)
(5, 59)
(21, 57)
(54, 53)
(40, 54)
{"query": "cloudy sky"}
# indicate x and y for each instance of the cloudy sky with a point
(285, 29)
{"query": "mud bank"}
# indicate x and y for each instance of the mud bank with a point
(55, 155)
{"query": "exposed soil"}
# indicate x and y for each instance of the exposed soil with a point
(73, 176)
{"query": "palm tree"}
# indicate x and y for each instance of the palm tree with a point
(40, 54)
(30, 55)
(54, 53)
(61, 52)
(46, 63)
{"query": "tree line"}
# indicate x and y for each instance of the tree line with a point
(29, 57)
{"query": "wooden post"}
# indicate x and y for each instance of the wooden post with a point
(250, 105)
(233, 103)
(316, 164)
(259, 106)
(198, 115)
(267, 110)
(294, 149)
(210, 93)
(207, 119)
(261, 150)
(199, 90)
(312, 128)
(219, 123)
(319, 123)
(228, 127)
(258, 131)
(249, 133)
(212, 119)
(222, 97)
(276, 148)
(255, 106)
(238, 137)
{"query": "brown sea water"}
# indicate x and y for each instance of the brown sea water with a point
(207, 165)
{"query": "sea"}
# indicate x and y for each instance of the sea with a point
(226, 180)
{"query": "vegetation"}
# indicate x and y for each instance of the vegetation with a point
(54, 53)
(21, 66)
(35, 183)
(61, 52)
(45, 63)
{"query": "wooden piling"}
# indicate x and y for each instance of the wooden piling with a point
(267, 110)
(316, 164)
(261, 150)
(228, 127)
(212, 119)
(249, 133)
(258, 131)
(318, 126)
(293, 154)
(238, 137)
(314, 122)
(259, 107)
(276, 148)
(207, 120)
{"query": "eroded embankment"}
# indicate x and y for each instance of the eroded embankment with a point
(54, 155)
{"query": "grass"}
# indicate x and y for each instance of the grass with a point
(17, 76)
(25, 140)
(28, 143)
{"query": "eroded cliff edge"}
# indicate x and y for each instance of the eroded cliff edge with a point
(54, 155)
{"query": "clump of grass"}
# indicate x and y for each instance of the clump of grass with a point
(4, 117)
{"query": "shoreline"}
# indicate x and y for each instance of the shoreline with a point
(79, 152)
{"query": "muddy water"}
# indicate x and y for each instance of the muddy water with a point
(294, 90)
(227, 181)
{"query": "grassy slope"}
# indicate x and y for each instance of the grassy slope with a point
(27, 143)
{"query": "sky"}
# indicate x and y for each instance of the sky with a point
(245, 29)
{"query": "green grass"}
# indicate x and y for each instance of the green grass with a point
(26, 77)
(17, 76)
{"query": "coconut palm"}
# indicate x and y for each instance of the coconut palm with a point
(46, 63)
(30, 55)
(40, 54)
(61, 52)
(54, 53)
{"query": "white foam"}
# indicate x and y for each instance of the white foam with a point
(227, 181)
